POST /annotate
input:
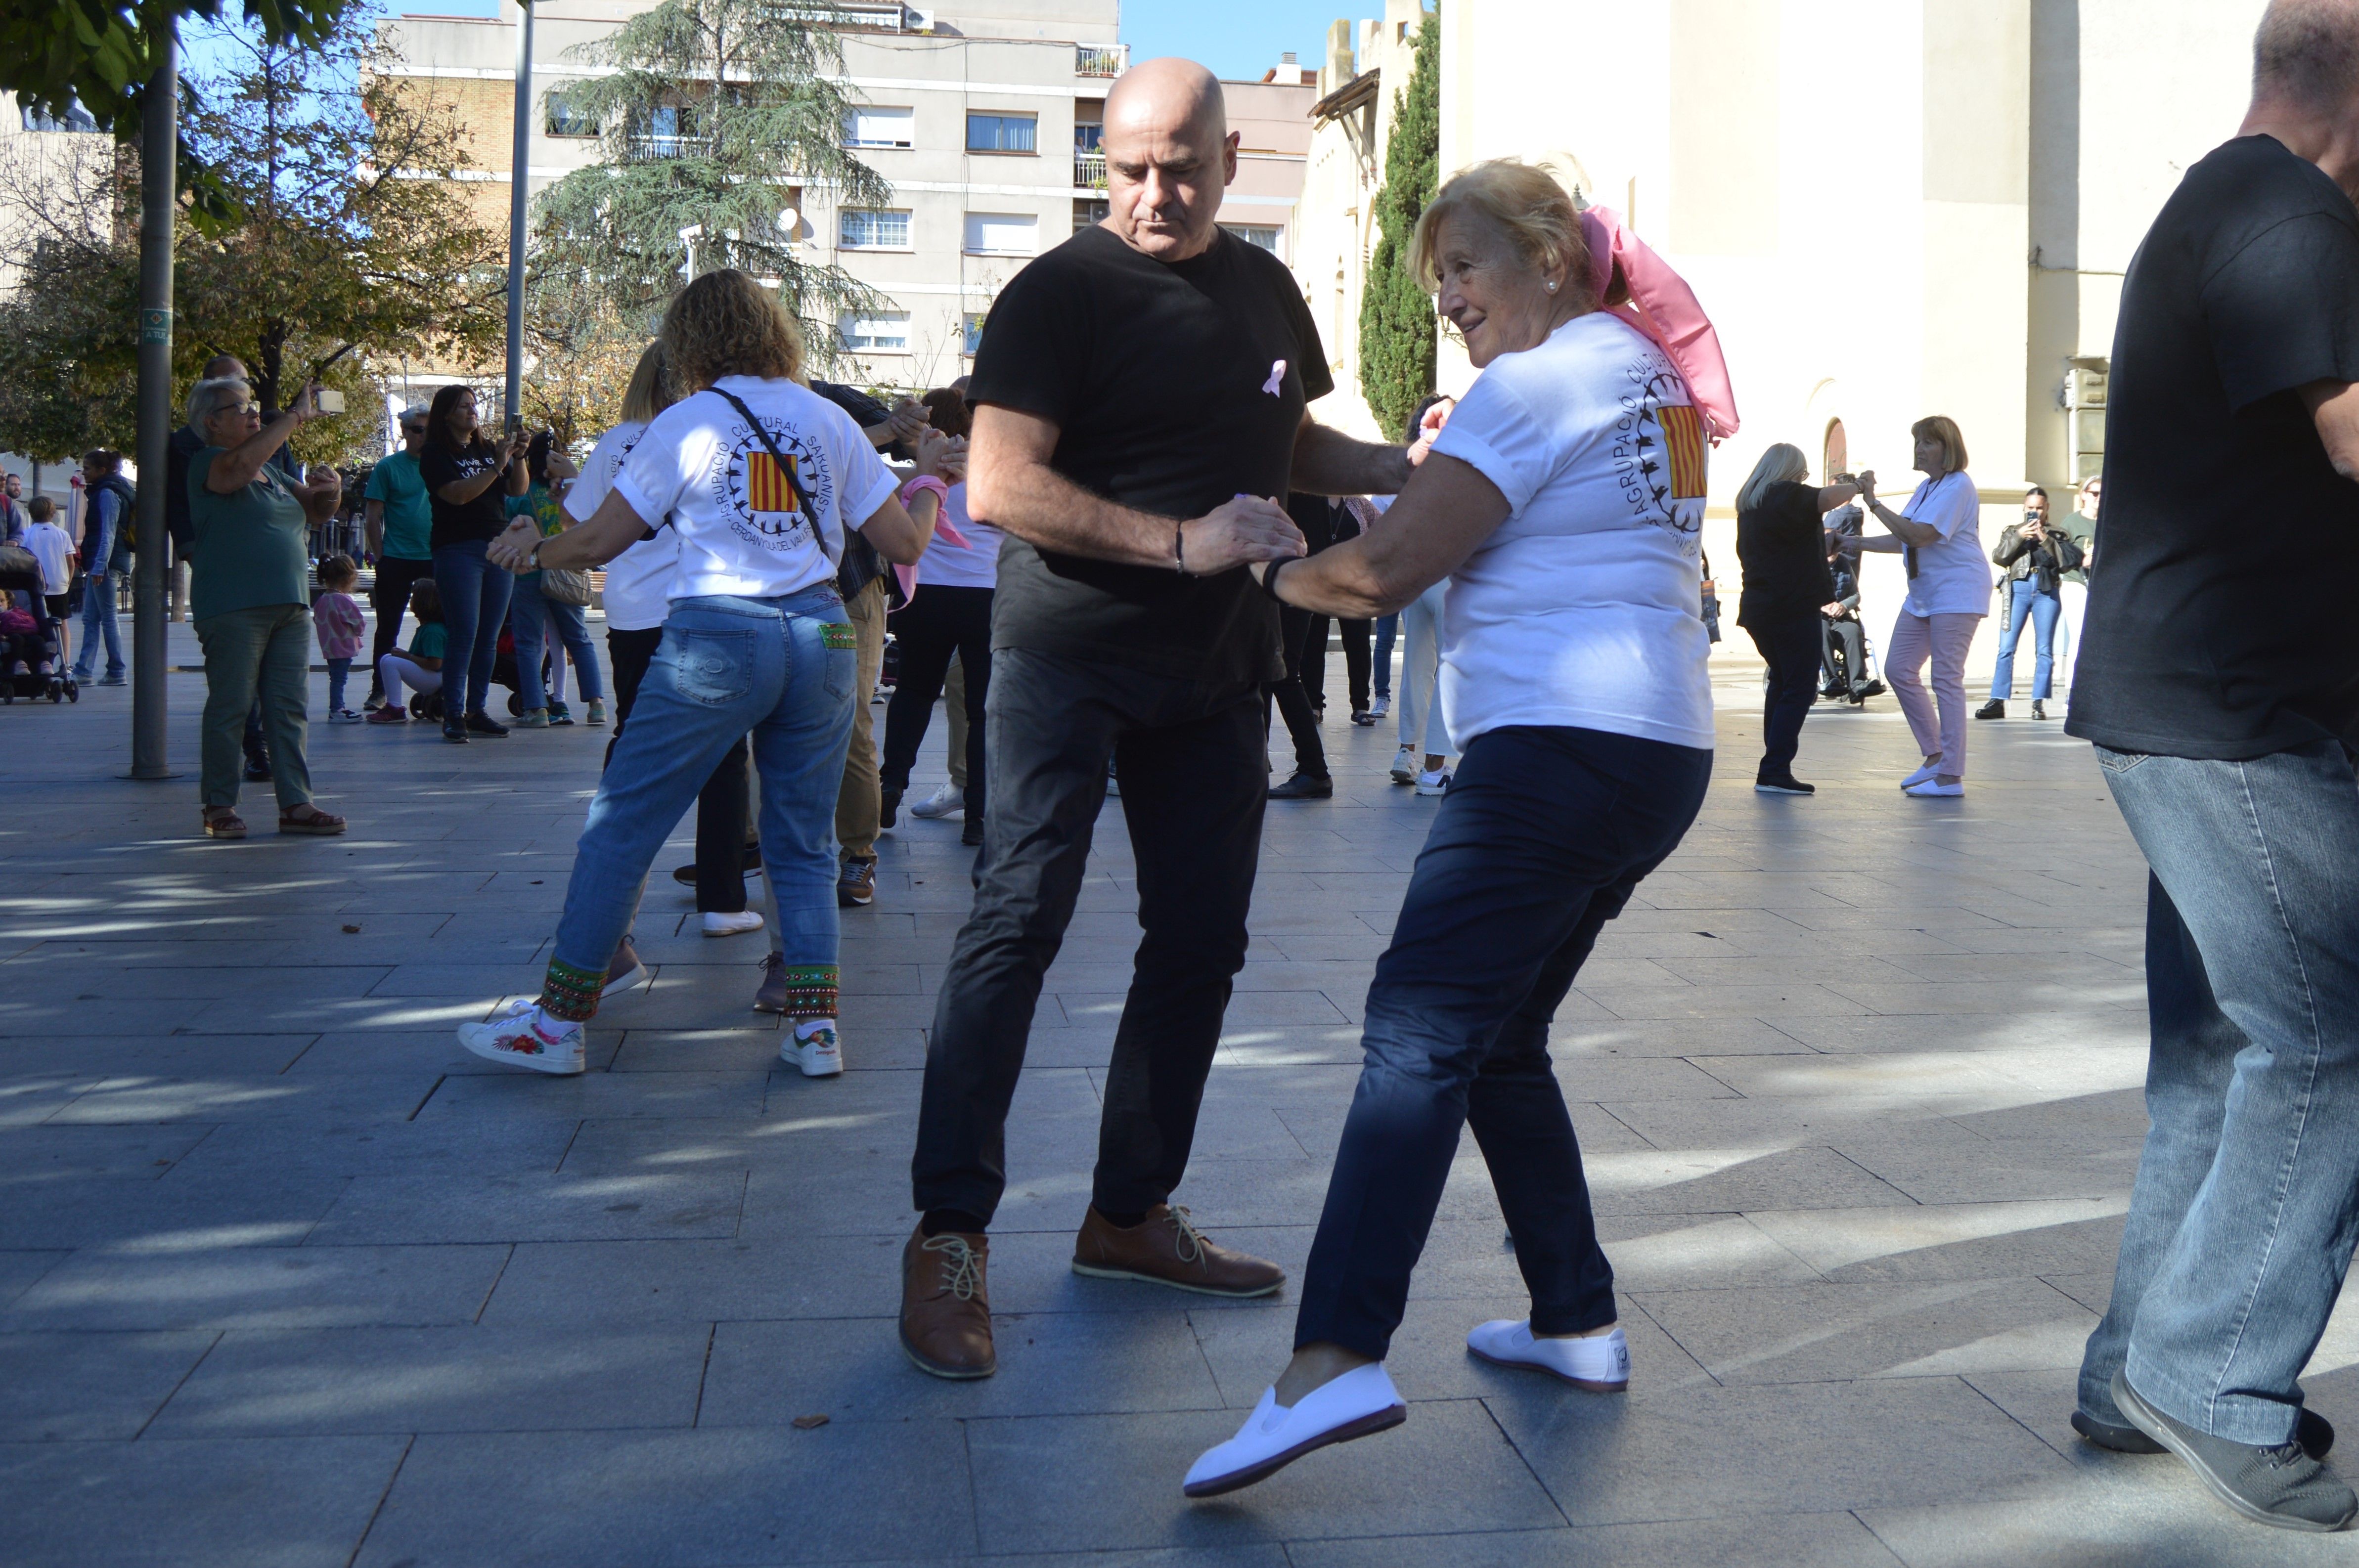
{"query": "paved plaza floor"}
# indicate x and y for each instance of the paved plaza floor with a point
(287, 1278)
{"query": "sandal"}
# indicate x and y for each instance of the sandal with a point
(223, 822)
(324, 824)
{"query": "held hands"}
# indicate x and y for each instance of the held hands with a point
(908, 417)
(1427, 429)
(1248, 528)
(936, 452)
(513, 549)
(1866, 480)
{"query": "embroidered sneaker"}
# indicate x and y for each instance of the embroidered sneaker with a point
(1601, 1364)
(812, 1047)
(521, 1036)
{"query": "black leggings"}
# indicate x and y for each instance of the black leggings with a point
(1356, 662)
(937, 622)
(390, 599)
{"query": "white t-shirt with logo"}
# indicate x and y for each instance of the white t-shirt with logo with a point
(742, 531)
(50, 547)
(1585, 606)
(1952, 578)
(638, 579)
(975, 564)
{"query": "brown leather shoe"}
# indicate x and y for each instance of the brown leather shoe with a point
(1165, 1250)
(945, 1305)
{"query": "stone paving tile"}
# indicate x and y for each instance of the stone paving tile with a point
(472, 1378)
(377, 1210)
(260, 1287)
(683, 1499)
(83, 1387)
(1764, 1541)
(220, 1503)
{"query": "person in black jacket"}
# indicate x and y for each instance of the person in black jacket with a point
(2036, 557)
(1781, 547)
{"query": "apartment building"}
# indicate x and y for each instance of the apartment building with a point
(54, 175)
(985, 115)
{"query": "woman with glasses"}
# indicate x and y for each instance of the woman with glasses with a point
(249, 597)
(467, 477)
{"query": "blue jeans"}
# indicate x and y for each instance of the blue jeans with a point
(2042, 609)
(1543, 836)
(474, 606)
(783, 668)
(2241, 1223)
(528, 617)
(97, 621)
(1387, 629)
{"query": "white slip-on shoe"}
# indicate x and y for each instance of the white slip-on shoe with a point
(946, 801)
(1600, 1363)
(719, 924)
(1922, 775)
(813, 1047)
(1930, 789)
(1360, 1401)
(520, 1035)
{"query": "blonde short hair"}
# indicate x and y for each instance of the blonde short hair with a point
(1944, 430)
(650, 393)
(1522, 201)
(726, 324)
(1781, 464)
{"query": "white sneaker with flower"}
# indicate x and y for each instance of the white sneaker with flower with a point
(521, 1036)
(812, 1046)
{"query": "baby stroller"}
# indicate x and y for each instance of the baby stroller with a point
(30, 665)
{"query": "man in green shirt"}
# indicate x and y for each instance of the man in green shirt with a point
(399, 519)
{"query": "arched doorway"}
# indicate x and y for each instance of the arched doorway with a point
(1834, 453)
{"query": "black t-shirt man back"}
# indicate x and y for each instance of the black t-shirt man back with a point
(1140, 413)
(1174, 387)
(2220, 603)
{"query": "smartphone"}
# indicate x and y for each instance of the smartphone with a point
(328, 400)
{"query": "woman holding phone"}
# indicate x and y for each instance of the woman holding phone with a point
(467, 477)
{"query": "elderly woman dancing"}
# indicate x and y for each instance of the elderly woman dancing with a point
(760, 478)
(1563, 501)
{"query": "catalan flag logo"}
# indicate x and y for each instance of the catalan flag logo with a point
(767, 488)
(1683, 439)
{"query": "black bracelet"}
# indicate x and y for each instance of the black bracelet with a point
(1269, 578)
(1179, 548)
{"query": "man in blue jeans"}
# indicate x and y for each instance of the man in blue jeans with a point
(107, 513)
(2221, 693)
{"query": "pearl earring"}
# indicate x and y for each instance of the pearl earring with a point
(1551, 288)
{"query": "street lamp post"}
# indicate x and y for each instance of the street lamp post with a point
(158, 150)
(519, 191)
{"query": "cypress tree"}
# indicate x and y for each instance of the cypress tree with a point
(1397, 332)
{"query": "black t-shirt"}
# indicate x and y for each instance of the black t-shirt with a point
(1175, 387)
(1782, 546)
(2219, 606)
(486, 516)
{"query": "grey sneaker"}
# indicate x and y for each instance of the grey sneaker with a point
(2282, 1487)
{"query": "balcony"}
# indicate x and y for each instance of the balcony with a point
(1089, 171)
(1090, 59)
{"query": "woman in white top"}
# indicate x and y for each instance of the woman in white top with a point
(1564, 502)
(761, 479)
(1939, 534)
(948, 617)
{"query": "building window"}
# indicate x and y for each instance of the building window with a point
(885, 333)
(564, 118)
(1265, 235)
(872, 127)
(1002, 235)
(974, 324)
(75, 118)
(1088, 213)
(664, 131)
(858, 229)
(1001, 133)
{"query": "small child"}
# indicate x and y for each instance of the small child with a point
(420, 669)
(53, 548)
(338, 621)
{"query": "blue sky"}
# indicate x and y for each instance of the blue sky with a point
(1238, 39)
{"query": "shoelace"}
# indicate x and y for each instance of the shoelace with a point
(1192, 1241)
(965, 1266)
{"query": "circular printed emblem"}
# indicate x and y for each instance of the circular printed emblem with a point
(769, 503)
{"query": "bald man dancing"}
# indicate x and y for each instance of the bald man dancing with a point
(1139, 410)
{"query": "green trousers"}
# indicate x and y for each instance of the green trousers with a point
(267, 648)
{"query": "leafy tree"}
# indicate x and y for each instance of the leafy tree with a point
(328, 249)
(579, 355)
(719, 112)
(1397, 332)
